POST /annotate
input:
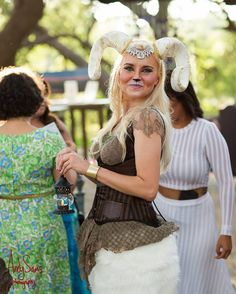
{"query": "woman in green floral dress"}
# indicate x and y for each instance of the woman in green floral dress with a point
(33, 239)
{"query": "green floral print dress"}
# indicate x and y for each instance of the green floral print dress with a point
(32, 238)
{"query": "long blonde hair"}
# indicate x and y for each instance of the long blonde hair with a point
(158, 99)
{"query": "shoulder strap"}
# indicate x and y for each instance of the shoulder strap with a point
(158, 211)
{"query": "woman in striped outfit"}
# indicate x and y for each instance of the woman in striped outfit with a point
(198, 148)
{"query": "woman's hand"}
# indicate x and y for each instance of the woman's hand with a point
(223, 246)
(68, 159)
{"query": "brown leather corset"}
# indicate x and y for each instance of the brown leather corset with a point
(111, 205)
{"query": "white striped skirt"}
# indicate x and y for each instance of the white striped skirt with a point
(200, 273)
(149, 269)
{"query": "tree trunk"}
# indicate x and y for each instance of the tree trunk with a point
(160, 22)
(23, 19)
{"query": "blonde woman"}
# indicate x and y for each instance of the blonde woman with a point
(124, 247)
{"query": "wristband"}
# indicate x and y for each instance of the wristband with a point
(92, 171)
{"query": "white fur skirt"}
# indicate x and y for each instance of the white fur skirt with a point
(149, 269)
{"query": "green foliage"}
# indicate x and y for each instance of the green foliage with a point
(46, 56)
(213, 54)
(5, 9)
(212, 49)
(216, 70)
(71, 19)
(216, 65)
(6, 6)
(67, 16)
(69, 22)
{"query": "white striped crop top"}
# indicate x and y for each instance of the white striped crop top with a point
(198, 149)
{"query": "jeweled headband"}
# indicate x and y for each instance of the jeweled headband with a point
(164, 47)
(140, 53)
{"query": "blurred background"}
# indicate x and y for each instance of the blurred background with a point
(54, 38)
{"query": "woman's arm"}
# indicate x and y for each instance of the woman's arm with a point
(65, 134)
(147, 158)
(218, 156)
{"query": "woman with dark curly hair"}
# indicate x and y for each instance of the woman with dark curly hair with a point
(34, 245)
(44, 117)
